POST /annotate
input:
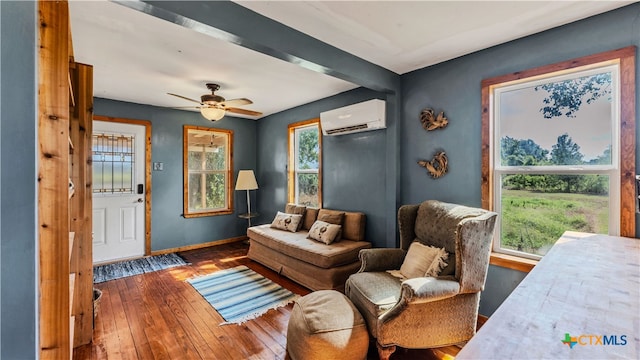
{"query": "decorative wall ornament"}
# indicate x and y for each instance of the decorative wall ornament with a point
(437, 166)
(430, 121)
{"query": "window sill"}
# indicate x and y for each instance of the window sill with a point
(512, 262)
(211, 213)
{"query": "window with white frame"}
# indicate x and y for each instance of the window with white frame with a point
(554, 155)
(207, 171)
(305, 163)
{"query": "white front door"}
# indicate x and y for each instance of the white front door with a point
(118, 191)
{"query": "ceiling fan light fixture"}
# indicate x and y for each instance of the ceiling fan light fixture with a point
(212, 113)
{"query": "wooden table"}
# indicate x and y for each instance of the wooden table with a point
(587, 286)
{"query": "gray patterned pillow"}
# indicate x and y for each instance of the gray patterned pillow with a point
(287, 222)
(324, 232)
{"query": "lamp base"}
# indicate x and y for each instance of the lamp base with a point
(248, 215)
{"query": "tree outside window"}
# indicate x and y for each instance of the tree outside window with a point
(207, 171)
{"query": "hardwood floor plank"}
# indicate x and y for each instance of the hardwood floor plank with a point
(110, 333)
(191, 333)
(123, 330)
(166, 326)
(266, 338)
(159, 315)
(134, 307)
(214, 332)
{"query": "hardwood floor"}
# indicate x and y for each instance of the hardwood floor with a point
(160, 316)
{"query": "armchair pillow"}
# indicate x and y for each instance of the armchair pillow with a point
(324, 232)
(422, 260)
(288, 222)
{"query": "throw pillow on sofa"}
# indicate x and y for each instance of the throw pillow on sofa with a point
(324, 232)
(423, 260)
(284, 221)
(298, 210)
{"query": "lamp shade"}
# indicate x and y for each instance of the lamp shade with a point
(212, 113)
(246, 180)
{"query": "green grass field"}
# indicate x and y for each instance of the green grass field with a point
(533, 221)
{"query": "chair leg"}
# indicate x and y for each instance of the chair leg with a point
(384, 352)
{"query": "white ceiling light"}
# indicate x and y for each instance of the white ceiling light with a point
(212, 113)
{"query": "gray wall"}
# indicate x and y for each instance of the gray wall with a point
(454, 87)
(353, 165)
(18, 134)
(168, 228)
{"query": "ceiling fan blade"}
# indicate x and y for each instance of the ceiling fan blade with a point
(186, 98)
(243, 111)
(236, 102)
(185, 107)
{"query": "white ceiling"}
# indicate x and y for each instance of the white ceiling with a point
(139, 58)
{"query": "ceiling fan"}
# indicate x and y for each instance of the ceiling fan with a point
(213, 107)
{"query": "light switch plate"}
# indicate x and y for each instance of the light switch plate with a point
(158, 166)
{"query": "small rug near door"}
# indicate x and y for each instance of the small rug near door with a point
(240, 294)
(102, 273)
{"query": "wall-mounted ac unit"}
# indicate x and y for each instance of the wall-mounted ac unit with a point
(364, 116)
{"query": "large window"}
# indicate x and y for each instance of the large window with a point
(207, 171)
(560, 149)
(305, 163)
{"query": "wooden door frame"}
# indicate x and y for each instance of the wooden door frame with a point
(147, 171)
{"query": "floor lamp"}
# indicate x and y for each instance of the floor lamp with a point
(247, 181)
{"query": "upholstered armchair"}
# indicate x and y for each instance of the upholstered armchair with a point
(426, 312)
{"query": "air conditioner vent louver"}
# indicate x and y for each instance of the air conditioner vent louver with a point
(364, 116)
(347, 129)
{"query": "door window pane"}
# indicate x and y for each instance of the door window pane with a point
(113, 163)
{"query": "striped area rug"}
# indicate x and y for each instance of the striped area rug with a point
(240, 294)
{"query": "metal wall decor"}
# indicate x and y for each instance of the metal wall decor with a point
(437, 166)
(430, 121)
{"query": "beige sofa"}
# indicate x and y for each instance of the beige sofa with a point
(308, 262)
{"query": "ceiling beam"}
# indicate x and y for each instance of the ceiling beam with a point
(233, 23)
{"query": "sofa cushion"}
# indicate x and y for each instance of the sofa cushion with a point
(308, 275)
(294, 209)
(310, 216)
(331, 216)
(325, 232)
(298, 246)
(298, 210)
(287, 222)
(353, 223)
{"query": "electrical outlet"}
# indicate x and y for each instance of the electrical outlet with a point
(158, 166)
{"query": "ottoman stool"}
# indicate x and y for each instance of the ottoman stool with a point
(326, 325)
